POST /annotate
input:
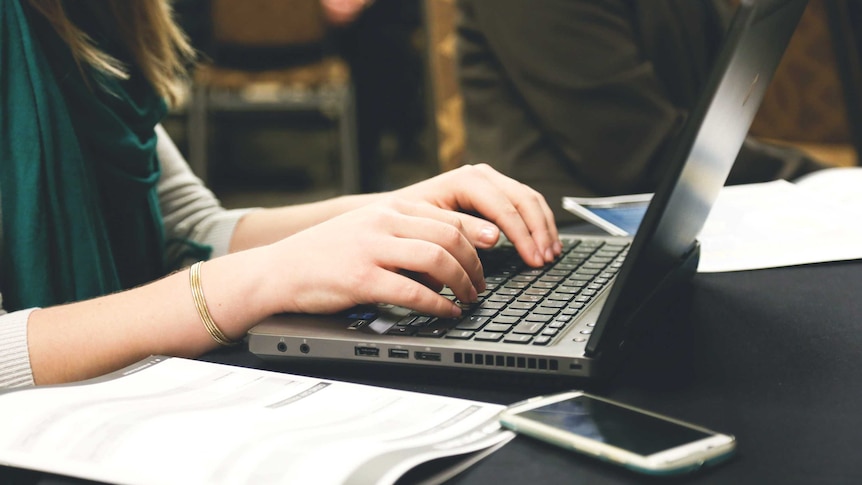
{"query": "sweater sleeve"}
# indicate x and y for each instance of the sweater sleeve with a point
(191, 212)
(15, 368)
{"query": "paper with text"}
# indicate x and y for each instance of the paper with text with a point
(777, 224)
(773, 224)
(181, 421)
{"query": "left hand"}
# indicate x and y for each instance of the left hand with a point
(503, 204)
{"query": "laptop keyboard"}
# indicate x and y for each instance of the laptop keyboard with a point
(524, 305)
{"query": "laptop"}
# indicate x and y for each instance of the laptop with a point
(579, 315)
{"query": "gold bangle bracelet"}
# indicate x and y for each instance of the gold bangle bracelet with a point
(201, 306)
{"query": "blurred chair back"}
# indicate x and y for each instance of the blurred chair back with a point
(813, 102)
(266, 23)
(271, 56)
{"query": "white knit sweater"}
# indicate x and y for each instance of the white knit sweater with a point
(190, 212)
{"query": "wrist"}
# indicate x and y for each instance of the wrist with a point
(238, 292)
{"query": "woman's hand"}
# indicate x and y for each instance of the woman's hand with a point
(521, 212)
(393, 251)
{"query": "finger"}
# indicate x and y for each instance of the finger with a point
(424, 279)
(534, 209)
(496, 205)
(480, 232)
(397, 289)
(422, 256)
(446, 229)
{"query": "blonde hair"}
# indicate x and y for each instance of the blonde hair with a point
(148, 31)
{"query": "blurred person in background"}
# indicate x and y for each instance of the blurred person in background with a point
(584, 98)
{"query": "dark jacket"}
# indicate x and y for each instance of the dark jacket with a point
(583, 97)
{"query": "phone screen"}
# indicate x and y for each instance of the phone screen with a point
(614, 425)
(627, 217)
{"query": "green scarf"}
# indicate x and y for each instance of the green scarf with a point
(78, 169)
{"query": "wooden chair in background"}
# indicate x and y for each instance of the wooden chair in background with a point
(812, 103)
(297, 76)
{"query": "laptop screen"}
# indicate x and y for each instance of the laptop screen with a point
(702, 157)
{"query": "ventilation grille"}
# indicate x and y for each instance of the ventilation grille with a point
(491, 360)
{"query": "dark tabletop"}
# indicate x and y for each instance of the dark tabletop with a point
(770, 356)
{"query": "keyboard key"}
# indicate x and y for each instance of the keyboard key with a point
(517, 339)
(506, 320)
(484, 312)
(537, 291)
(546, 310)
(488, 337)
(528, 328)
(538, 317)
(472, 323)
(497, 328)
(492, 305)
(460, 334)
(500, 298)
(431, 332)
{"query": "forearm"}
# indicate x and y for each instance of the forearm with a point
(326, 267)
(89, 338)
(266, 226)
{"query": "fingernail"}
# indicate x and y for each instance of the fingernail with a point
(474, 295)
(549, 255)
(488, 234)
(558, 247)
(455, 311)
(538, 257)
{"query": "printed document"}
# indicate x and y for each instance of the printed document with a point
(765, 225)
(179, 421)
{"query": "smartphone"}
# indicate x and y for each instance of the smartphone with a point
(619, 215)
(640, 440)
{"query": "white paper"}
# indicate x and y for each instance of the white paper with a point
(841, 185)
(777, 224)
(178, 421)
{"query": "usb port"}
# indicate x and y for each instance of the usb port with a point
(399, 353)
(435, 356)
(367, 351)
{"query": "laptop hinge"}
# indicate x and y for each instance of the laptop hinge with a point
(650, 307)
